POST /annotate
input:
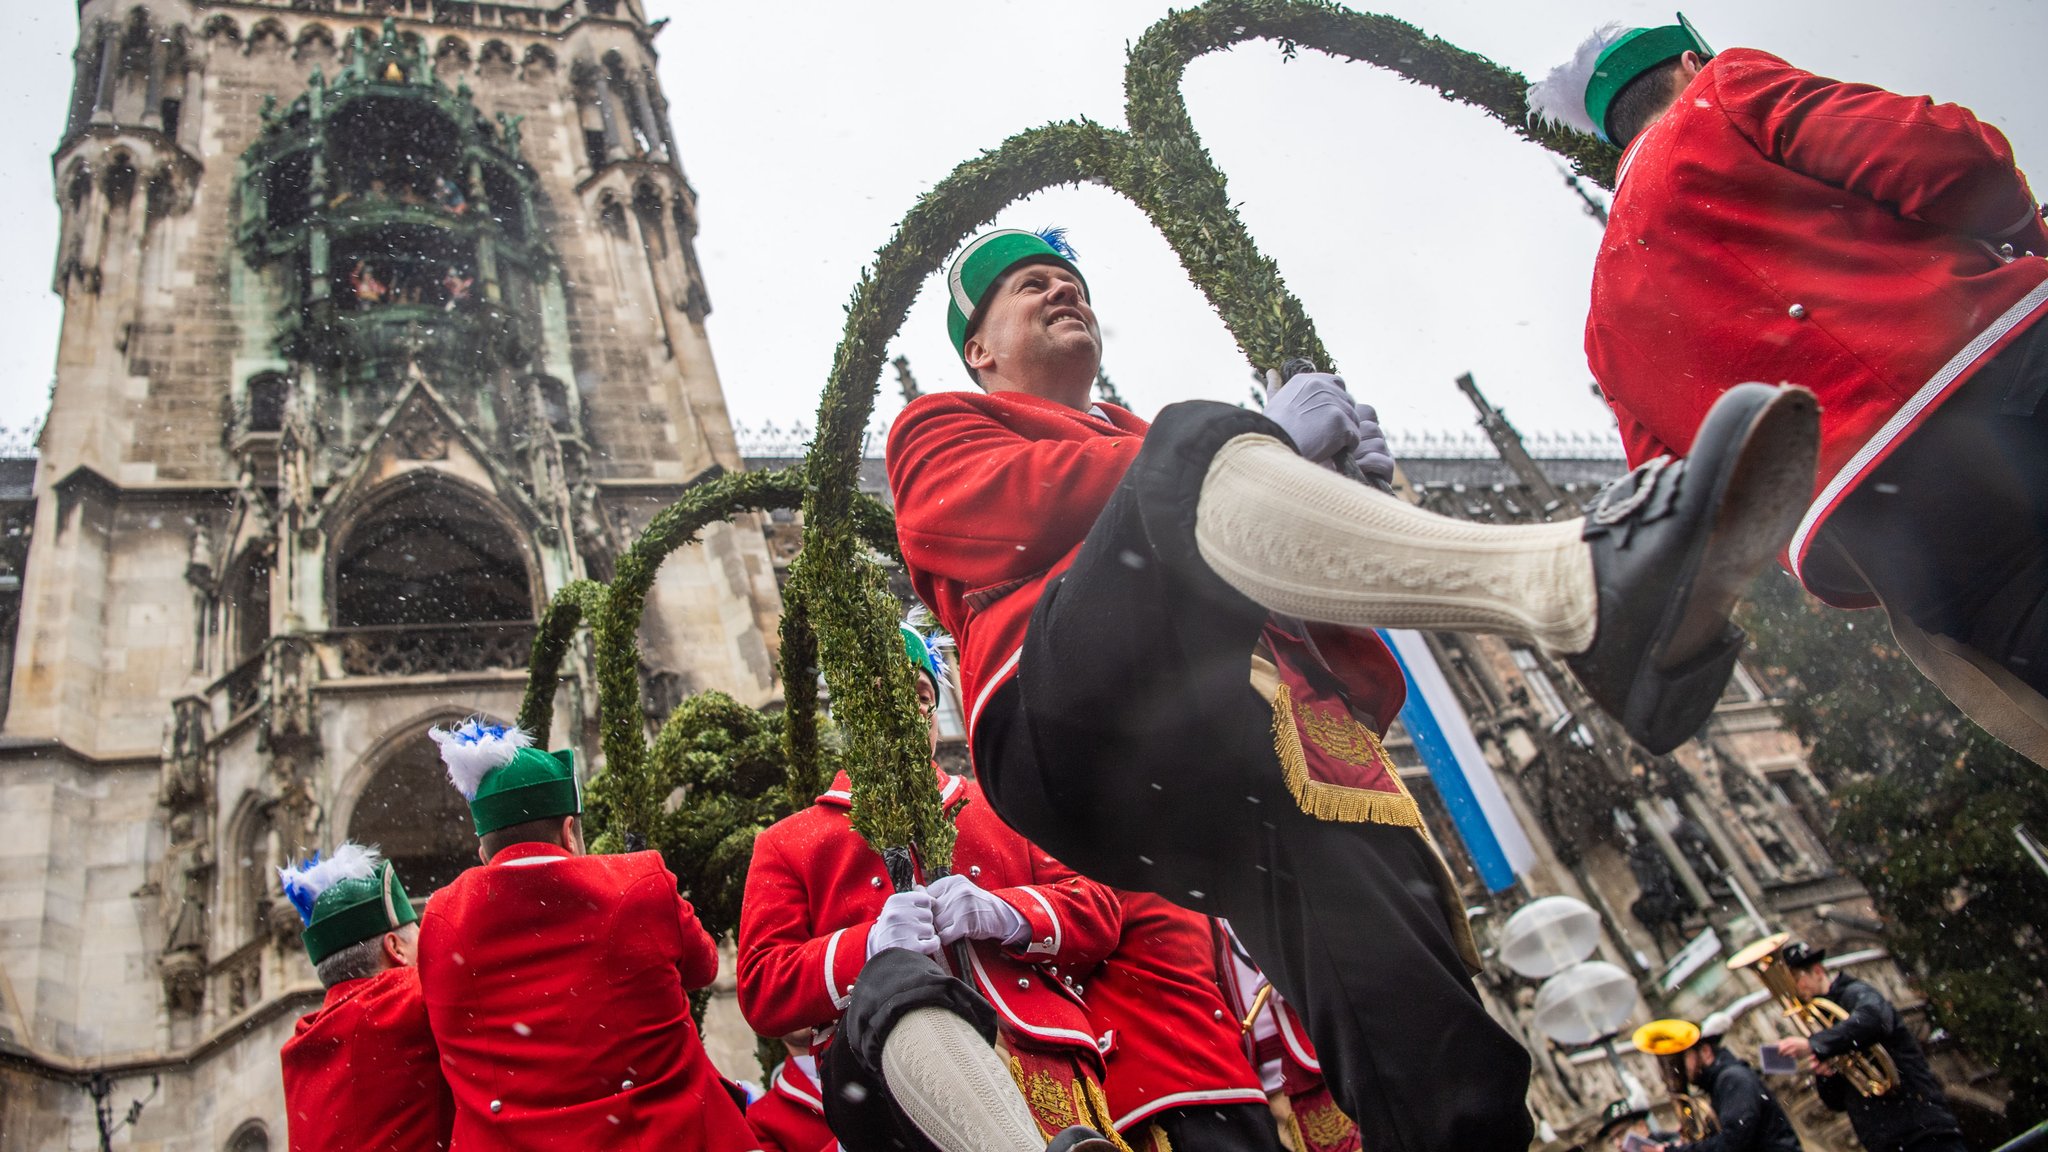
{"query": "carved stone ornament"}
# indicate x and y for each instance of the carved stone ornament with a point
(419, 436)
(293, 667)
(184, 975)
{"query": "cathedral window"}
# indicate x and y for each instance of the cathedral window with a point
(555, 405)
(250, 1137)
(495, 59)
(266, 401)
(249, 606)
(120, 182)
(430, 557)
(647, 206)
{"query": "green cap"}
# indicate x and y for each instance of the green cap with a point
(919, 650)
(984, 261)
(350, 897)
(533, 786)
(504, 778)
(1637, 51)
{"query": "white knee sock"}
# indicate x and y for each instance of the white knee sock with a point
(1303, 541)
(952, 1085)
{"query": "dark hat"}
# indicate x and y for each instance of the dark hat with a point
(1617, 1115)
(1800, 954)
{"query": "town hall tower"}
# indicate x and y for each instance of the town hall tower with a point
(382, 323)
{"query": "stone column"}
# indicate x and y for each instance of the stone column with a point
(188, 107)
(153, 92)
(84, 84)
(613, 149)
(649, 126)
(110, 65)
(663, 122)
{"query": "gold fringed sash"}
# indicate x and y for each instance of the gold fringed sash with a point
(1305, 766)
(1061, 1093)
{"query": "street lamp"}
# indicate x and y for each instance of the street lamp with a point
(1545, 936)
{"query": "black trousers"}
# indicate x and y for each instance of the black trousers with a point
(1952, 529)
(1131, 745)
(893, 983)
(1220, 1128)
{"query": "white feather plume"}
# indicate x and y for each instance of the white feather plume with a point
(473, 748)
(303, 883)
(1560, 98)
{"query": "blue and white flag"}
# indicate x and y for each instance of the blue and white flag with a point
(1434, 719)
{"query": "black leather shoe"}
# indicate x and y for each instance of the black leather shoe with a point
(1675, 542)
(1080, 1139)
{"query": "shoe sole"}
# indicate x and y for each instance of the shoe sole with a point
(1758, 504)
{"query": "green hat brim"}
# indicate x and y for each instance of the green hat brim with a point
(984, 262)
(357, 910)
(1629, 57)
(534, 786)
(919, 652)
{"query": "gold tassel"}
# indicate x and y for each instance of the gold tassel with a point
(1326, 801)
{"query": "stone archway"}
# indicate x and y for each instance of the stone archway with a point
(410, 813)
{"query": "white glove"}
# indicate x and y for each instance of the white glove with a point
(964, 911)
(1317, 414)
(1374, 459)
(905, 922)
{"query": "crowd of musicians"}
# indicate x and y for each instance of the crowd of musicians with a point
(1192, 905)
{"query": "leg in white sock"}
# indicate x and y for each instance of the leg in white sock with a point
(1303, 541)
(952, 1085)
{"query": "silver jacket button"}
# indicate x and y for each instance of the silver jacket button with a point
(875, 881)
(1797, 311)
(974, 871)
(625, 1085)
(1023, 982)
(497, 1106)
(1218, 1014)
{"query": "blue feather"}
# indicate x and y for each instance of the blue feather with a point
(301, 895)
(1056, 239)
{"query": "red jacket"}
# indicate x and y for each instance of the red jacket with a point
(994, 493)
(1778, 226)
(815, 888)
(1172, 1041)
(790, 1116)
(361, 1074)
(556, 987)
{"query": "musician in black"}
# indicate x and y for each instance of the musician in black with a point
(1751, 1119)
(1912, 1117)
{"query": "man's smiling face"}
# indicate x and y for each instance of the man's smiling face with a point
(1036, 333)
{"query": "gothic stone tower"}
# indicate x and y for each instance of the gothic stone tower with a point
(382, 323)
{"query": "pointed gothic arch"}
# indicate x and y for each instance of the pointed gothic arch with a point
(398, 798)
(428, 550)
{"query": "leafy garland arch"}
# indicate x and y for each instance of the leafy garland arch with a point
(838, 616)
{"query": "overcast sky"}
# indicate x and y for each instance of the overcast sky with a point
(1424, 239)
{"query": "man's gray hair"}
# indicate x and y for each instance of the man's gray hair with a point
(356, 962)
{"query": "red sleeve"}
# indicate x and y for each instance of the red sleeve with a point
(699, 963)
(1935, 163)
(1074, 921)
(979, 504)
(790, 979)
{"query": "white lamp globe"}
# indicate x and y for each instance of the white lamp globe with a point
(1546, 935)
(1584, 1002)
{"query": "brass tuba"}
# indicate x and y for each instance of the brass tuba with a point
(1869, 1071)
(1668, 1041)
